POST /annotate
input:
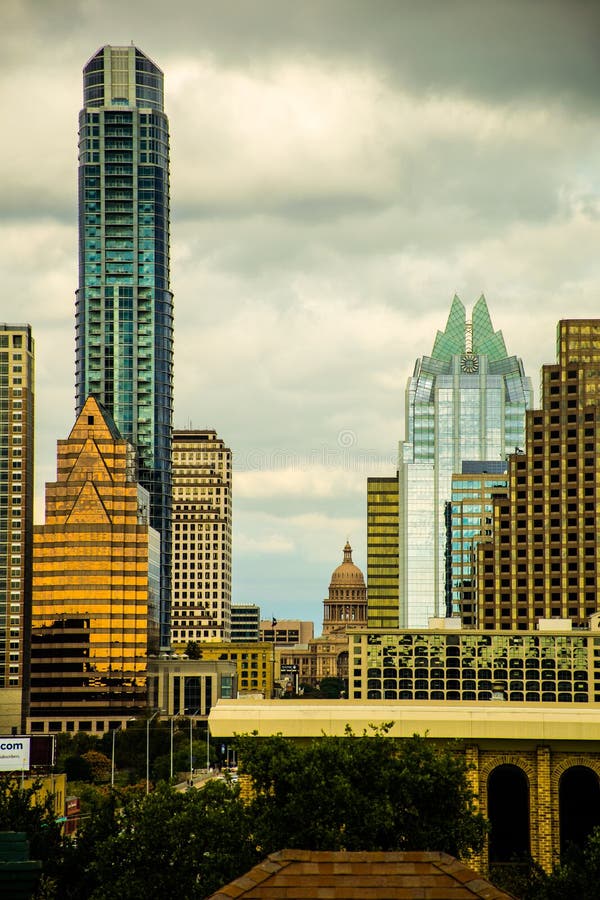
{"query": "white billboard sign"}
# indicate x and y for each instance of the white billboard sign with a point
(14, 753)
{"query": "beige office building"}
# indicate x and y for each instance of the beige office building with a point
(16, 519)
(201, 595)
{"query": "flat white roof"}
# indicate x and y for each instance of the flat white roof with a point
(489, 720)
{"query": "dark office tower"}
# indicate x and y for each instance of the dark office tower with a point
(543, 560)
(16, 520)
(124, 308)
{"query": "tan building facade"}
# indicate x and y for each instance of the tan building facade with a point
(16, 519)
(286, 631)
(95, 596)
(202, 498)
(190, 687)
(544, 557)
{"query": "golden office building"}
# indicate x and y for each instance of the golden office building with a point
(201, 595)
(95, 596)
(544, 558)
(16, 519)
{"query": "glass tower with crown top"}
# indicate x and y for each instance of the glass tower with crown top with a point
(466, 401)
(124, 306)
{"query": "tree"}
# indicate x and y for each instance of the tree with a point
(361, 793)
(22, 810)
(77, 768)
(577, 878)
(193, 650)
(332, 688)
(169, 844)
(100, 765)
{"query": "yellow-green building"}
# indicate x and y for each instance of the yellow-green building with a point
(255, 664)
(382, 552)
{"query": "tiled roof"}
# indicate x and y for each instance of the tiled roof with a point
(320, 875)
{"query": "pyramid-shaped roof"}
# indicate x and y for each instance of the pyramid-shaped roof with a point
(95, 421)
(341, 875)
(453, 340)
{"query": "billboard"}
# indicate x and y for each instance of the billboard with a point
(14, 753)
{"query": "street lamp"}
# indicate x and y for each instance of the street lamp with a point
(112, 768)
(148, 750)
(207, 747)
(195, 713)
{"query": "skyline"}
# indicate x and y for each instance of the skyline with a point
(340, 178)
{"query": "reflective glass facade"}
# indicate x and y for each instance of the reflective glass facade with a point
(466, 401)
(124, 308)
(469, 521)
(95, 585)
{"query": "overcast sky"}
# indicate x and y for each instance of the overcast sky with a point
(339, 169)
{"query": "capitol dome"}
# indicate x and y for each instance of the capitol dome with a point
(347, 601)
(347, 574)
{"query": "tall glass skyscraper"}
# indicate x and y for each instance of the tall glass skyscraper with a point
(466, 401)
(124, 308)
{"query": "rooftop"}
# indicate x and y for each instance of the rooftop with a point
(307, 874)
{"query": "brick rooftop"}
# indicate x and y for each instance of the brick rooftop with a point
(324, 875)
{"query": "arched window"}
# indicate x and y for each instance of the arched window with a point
(508, 812)
(579, 805)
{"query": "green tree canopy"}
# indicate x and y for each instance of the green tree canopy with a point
(576, 878)
(193, 650)
(361, 793)
(173, 844)
(332, 687)
(100, 765)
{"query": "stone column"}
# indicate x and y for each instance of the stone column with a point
(472, 761)
(541, 816)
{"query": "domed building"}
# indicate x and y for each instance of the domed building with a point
(347, 602)
(346, 607)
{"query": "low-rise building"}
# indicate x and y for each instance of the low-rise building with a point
(254, 664)
(183, 687)
(245, 622)
(286, 631)
(542, 666)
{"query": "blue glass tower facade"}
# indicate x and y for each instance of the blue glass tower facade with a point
(124, 307)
